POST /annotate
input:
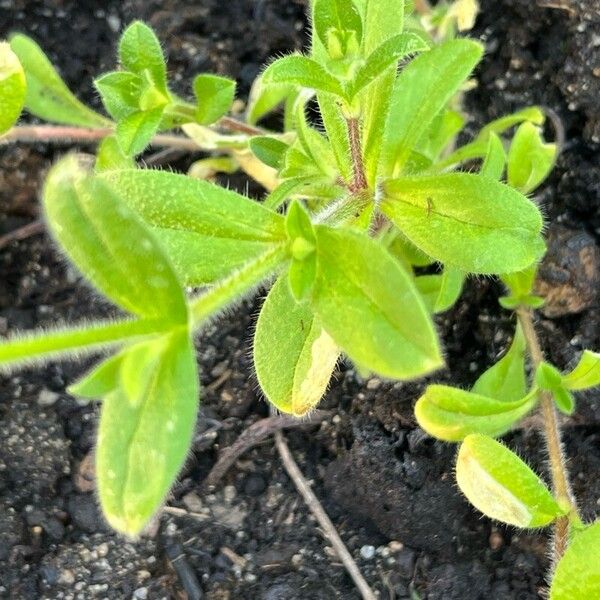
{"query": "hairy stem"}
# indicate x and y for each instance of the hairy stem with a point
(558, 467)
(236, 285)
(359, 182)
(87, 338)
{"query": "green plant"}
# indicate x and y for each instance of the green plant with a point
(355, 210)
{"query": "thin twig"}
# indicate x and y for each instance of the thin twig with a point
(21, 233)
(232, 124)
(319, 513)
(253, 436)
(551, 429)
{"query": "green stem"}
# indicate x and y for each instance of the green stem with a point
(236, 285)
(551, 430)
(62, 341)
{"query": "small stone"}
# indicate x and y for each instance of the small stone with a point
(405, 563)
(254, 485)
(229, 493)
(85, 476)
(395, 546)
(496, 540)
(192, 502)
(47, 397)
(141, 593)
(66, 577)
(367, 552)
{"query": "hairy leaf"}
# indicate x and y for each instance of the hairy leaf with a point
(145, 430)
(388, 54)
(473, 223)
(451, 413)
(421, 91)
(265, 98)
(214, 96)
(338, 15)
(110, 244)
(109, 156)
(495, 159)
(120, 92)
(206, 230)
(370, 306)
(578, 572)
(293, 355)
(13, 87)
(140, 53)
(499, 484)
(48, 97)
(136, 131)
(269, 150)
(303, 71)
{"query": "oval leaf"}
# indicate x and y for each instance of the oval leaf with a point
(145, 430)
(294, 357)
(499, 484)
(110, 244)
(214, 97)
(473, 223)
(451, 414)
(206, 230)
(12, 87)
(370, 306)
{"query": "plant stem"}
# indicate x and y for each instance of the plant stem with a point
(359, 182)
(236, 285)
(65, 134)
(89, 337)
(551, 428)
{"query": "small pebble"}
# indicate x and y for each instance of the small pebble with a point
(140, 593)
(367, 552)
(47, 398)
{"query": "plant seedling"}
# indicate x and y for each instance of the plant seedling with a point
(353, 211)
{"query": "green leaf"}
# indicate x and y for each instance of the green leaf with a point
(48, 97)
(404, 250)
(388, 54)
(337, 15)
(370, 306)
(585, 375)
(499, 484)
(495, 159)
(110, 157)
(120, 92)
(303, 244)
(145, 431)
(473, 223)
(206, 231)
(140, 52)
(214, 95)
(530, 160)
(421, 91)
(294, 357)
(506, 380)
(136, 131)
(564, 400)
(110, 245)
(577, 576)
(13, 87)
(302, 71)
(442, 132)
(440, 292)
(378, 26)
(547, 376)
(269, 150)
(100, 381)
(451, 414)
(533, 114)
(264, 99)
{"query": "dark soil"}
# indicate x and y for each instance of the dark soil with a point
(388, 487)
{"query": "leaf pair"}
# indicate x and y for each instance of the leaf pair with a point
(498, 399)
(354, 298)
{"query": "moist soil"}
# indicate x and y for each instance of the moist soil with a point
(388, 487)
